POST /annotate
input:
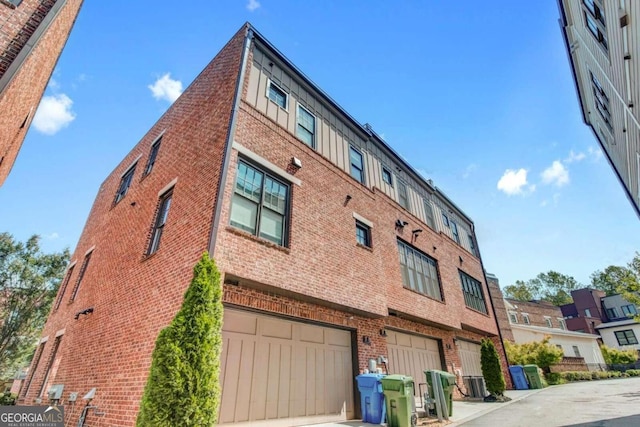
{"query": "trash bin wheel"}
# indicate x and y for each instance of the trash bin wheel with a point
(414, 420)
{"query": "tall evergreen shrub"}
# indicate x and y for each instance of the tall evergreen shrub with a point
(491, 370)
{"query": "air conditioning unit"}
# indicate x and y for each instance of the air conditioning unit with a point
(475, 386)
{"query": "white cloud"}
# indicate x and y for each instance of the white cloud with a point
(53, 84)
(52, 236)
(595, 153)
(53, 114)
(514, 181)
(575, 157)
(470, 169)
(253, 5)
(166, 88)
(544, 203)
(556, 174)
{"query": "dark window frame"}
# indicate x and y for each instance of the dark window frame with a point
(403, 195)
(445, 219)
(260, 205)
(429, 215)
(454, 231)
(628, 337)
(361, 174)
(13, 3)
(363, 234)
(473, 292)
(611, 313)
(300, 125)
(596, 27)
(628, 311)
(387, 176)
(413, 274)
(472, 245)
(153, 155)
(125, 183)
(81, 273)
(160, 220)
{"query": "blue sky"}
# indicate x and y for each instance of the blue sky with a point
(477, 95)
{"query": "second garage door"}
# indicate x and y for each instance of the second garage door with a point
(412, 355)
(284, 373)
(470, 358)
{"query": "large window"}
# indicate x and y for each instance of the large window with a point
(33, 369)
(63, 287)
(52, 357)
(428, 213)
(626, 337)
(403, 196)
(472, 245)
(125, 183)
(83, 270)
(601, 101)
(473, 295)
(306, 129)
(155, 147)
(260, 203)
(357, 164)
(160, 222)
(419, 271)
(594, 19)
(277, 95)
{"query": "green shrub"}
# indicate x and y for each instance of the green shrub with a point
(8, 399)
(554, 378)
(183, 386)
(613, 356)
(491, 369)
(539, 353)
(633, 372)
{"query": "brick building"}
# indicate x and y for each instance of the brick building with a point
(32, 35)
(335, 254)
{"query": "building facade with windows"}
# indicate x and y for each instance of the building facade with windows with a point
(336, 255)
(602, 39)
(32, 35)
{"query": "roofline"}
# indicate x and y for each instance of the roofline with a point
(365, 129)
(617, 323)
(554, 331)
(563, 25)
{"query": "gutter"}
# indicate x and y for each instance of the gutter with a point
(229, 143)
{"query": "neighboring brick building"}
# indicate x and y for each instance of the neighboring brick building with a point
(334, 251)
(32, 35)
(585, 312)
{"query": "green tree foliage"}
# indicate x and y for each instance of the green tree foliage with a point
(613, 356)
(491, 370)
(29, 281)
(613, 279)
(183, 386)
(551, 286)
(539, 353)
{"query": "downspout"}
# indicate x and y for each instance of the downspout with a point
(229, 142)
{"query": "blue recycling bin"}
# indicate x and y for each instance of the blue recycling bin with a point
(519, 378)
(371, 398)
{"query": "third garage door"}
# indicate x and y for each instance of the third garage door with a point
(412, 355)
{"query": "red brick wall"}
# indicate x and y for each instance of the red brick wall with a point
(134, 296)
(22, 96)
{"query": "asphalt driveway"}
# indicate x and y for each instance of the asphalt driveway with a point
(605, 403)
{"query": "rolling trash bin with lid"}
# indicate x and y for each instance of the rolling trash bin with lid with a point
(398, 393)
(448, 382)
(519, 379)
(533, 375)
(371, 398)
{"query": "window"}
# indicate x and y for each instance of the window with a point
(52, 357)
(548, 322)
(513, 317)
(472, 290)
(594, 19)
(629, 310)
(612, 313)
(363, 234)
(83, 269)
(403, 196)
(576, 351)
(152, 156)
(125, 182)
(525, 319)
(15, 3)
(277, 95)
(161, 220)
(587, 312)
(428, 213)
(601, 101)
(419, 271)
(357, 164)
(259, 204)
(626, 337)
(563, 324)
(454, 230)
(595, 10)
(63, 288)
(445, 219)
(386, 176)
(33, 368)
(306, 129)
(472, 245)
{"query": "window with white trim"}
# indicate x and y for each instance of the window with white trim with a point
(629, 310)
(513, 317)
(601, 101)
(387, 176)
(594, 19)
(562, 323)
(306, 128)
(548, 322)
(525, 319)
(276, 94)
(260, 203)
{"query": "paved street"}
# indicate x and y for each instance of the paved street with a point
(585, 404)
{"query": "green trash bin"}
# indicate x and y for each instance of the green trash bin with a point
(448, 382)
(533, 376)
(398, 393)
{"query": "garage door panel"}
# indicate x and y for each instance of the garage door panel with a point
(311, 334)
(239, 322)
(470, 358)
(412, 355)
(284, 391)
(230, 378)
(277, 329)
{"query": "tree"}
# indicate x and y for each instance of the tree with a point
(613, 356)
(613, 279)
(29, 281)
(551, 286)
(491, 370)
(183, 386)
(540, 353)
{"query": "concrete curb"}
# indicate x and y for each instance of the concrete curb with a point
(495, 407)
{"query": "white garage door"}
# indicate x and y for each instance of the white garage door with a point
(282, 372)
(412, 355)
(470, 357)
